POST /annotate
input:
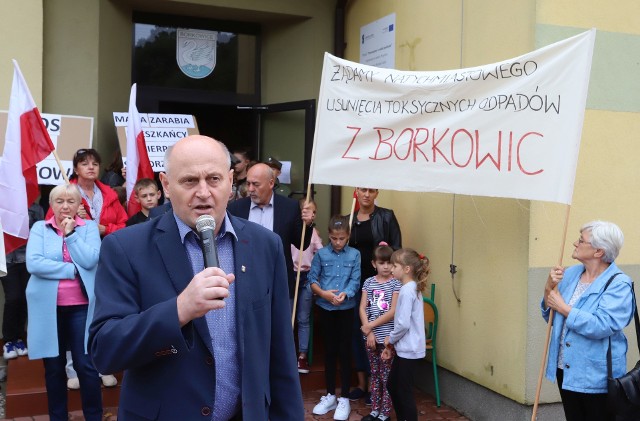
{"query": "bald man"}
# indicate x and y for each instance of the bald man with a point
(194, 342)
(274, 212)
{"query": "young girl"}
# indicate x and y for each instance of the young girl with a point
(335, 278)
(305, 296)
(377, 308)
(407, 337)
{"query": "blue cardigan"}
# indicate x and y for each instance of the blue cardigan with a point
(595, 317)
(44, 263)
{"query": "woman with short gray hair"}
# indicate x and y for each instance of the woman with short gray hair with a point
(62, 256)
(593, 302)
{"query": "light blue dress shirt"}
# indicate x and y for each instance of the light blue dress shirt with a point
(221, 323)
(262, 215)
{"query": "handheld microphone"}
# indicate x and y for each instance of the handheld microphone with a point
(206, 225)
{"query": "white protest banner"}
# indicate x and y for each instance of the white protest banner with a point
(508, 129)
(160, 132)
(68, 134)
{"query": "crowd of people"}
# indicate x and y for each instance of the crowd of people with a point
(103, 299)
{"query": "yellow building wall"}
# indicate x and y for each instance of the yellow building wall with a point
(503, 248)
(607, 172)
(483, 336)
(292, 54)
(76, 57)
(606, 166)
(21, 33)
(71, 59)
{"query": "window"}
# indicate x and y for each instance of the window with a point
(179, 53)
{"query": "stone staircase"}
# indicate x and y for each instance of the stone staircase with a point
(26, 394)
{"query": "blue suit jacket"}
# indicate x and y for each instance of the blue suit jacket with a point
(169, 371)
(287, 223)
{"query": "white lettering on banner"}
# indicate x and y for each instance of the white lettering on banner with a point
(508, 129)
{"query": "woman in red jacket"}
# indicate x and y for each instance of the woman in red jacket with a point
(99, 202)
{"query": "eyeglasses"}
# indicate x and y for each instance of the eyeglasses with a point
(581, 241)
(80, 152)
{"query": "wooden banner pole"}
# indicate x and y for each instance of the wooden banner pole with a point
(301, 250)
(549, 324)
(62, 170)
(353, 207)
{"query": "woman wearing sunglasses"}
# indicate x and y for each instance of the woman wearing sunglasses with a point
(100, 202)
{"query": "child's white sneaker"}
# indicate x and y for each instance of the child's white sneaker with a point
(109, 380)
(327, 403)
(343, 410)
(73, 383)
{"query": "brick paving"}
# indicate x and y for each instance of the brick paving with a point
(427, 410)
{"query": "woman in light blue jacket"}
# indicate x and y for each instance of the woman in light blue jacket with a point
(62, 256)
(587, 313)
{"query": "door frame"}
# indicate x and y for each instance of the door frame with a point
(306, 105)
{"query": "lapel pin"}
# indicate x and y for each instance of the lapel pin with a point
(243, 268)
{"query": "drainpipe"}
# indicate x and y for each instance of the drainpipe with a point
(339, 46)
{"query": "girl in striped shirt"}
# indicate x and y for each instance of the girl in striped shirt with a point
(377, 308)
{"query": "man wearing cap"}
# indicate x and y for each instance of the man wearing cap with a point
(279, 188)
(274, 212)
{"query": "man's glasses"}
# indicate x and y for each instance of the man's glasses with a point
(581, 241)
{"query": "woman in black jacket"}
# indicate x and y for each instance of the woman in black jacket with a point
(371, 225)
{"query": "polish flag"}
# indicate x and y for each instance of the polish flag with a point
(138, 165)
(27, 142)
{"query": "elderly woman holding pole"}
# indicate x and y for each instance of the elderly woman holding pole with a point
(592, 303)
(62, 256)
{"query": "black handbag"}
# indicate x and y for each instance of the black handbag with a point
(623, 393)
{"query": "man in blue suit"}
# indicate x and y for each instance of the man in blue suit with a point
(274, 212)
(196, 343)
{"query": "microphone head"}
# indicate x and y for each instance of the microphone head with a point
(205, 222)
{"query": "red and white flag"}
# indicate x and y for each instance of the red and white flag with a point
(138, 165)
(27, 142)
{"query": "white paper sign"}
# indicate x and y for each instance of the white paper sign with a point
(68, 134)
(378, 43)
(160, 132)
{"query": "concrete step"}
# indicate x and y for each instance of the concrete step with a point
(26, 394)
